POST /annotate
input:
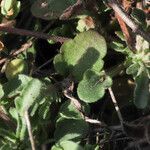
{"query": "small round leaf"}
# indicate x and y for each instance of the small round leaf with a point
(93, 86)
(16, 67)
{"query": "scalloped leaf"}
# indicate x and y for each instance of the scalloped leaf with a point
(66, 145)
(50, 9)
(84, 52)
(92, 87)
(70, 129)
(142, 91)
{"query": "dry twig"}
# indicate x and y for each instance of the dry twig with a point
(128, 20)
(116, 106)
(26, 115)
(15, 53)
(35, 34)
(125, 29)
(24, 47)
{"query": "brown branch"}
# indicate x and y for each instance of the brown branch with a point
(125, 29)
(18, 51)
(24, 47)
(35, 34)
(129, 21)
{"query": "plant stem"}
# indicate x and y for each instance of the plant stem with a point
(40, 35)
(116, 107)
(26, 115)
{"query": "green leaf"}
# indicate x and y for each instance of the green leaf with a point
(14, 86)
(10, 8)
(43, 110)
(133, 69)
(14, 113)
(139, 16)
(120, 35)
(84, 52)
(8, 135)
(47, 96)
(119, 47)
(28, 96)
(50, 9)
(21, 129)
(16, 67)
(91, 147)
(1, 91)
(93, 86)
(142, 91)
(66, 145)
(69, 111)
(60, 65)
(70, 129)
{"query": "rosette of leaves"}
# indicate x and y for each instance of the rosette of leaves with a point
(93, 86)
(137, 63)
(138, 66)
(50, 9)
(84, 52)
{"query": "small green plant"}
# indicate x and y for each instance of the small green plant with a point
(56, 88)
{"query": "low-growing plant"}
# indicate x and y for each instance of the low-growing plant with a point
(56, 88)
